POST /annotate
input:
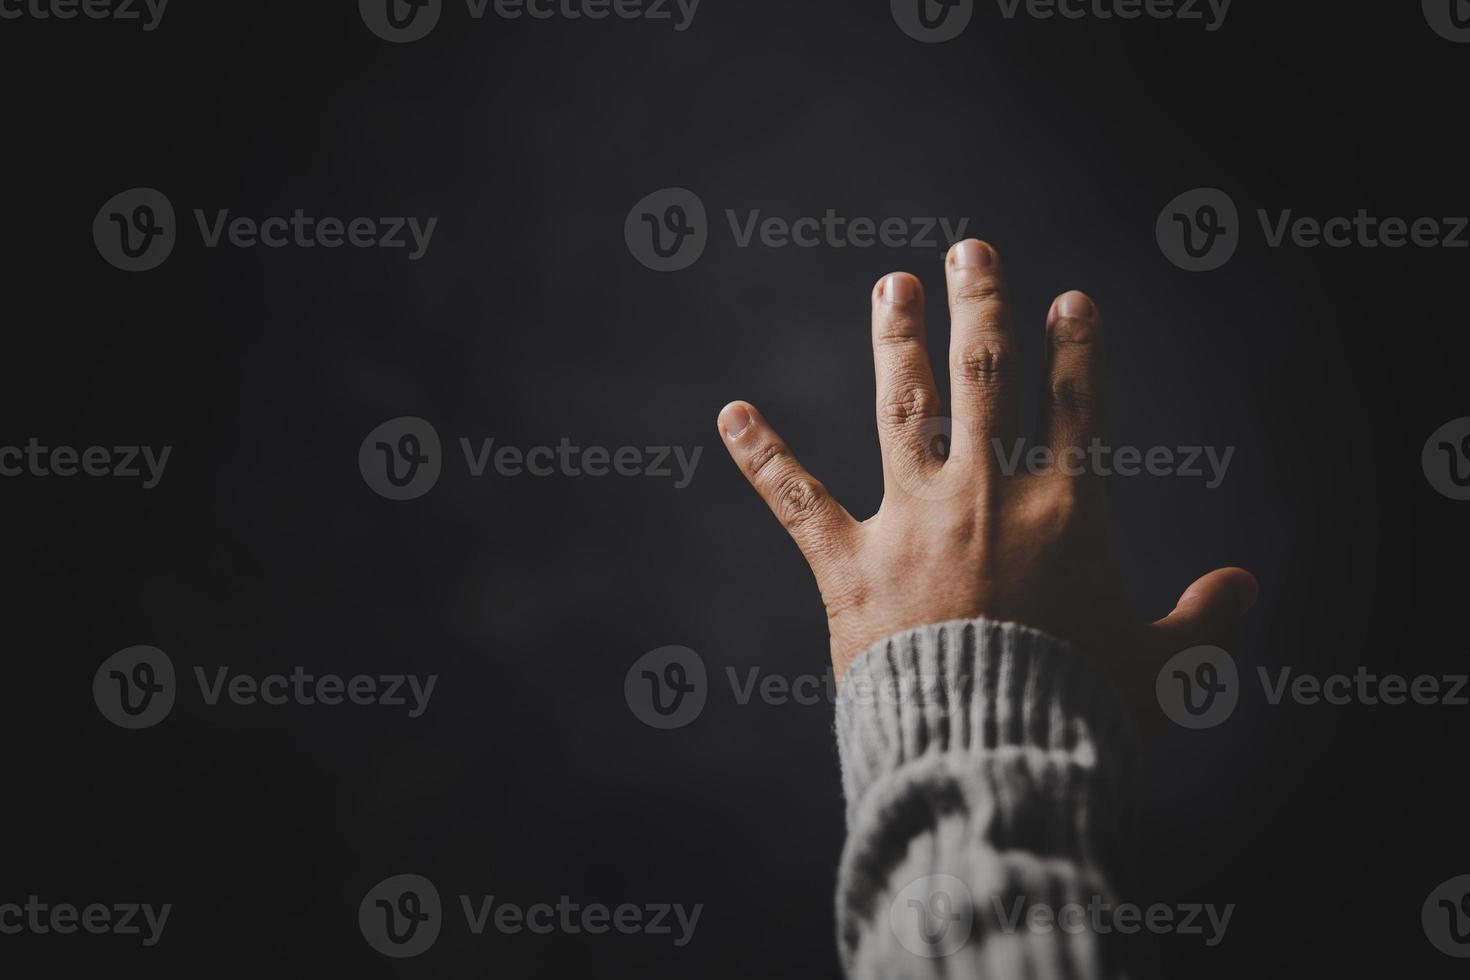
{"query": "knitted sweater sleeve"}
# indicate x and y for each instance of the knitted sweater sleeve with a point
(983, 765)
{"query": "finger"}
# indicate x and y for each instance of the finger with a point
(908, 402)
(980, 351)
(1072, 400)
(1207, 610)
(821, 527)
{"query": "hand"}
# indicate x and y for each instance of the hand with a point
(956, 537)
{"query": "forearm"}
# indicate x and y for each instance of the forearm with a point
(1000, 760)
(984, 767)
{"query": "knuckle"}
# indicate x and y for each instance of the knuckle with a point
(1071, 331)
(898, 329)
(905, 403)
(987, 365)
(1058, 509)
(1075, 397)
(979, 290)
(757, 463)
(962, 528)
(798, 501)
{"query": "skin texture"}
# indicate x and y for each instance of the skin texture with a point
(956, 537)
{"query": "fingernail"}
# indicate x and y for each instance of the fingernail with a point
(900, 290)
(970, 254)
(1074, 304)
(737, 420)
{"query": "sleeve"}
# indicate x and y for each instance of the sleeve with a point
(985, 767)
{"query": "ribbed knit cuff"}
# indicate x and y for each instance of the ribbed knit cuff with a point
(974, 687)
(991, 762)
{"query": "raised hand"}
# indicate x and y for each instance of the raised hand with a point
(957, 536)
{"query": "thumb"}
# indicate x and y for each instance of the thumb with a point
(1207, 609)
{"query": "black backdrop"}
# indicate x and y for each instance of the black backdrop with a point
(529, 321)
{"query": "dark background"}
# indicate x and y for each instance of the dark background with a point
(528, 321)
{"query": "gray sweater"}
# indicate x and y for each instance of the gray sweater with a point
(982, 765)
